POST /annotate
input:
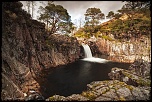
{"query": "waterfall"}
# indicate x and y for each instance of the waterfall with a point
(87, 51)
(88, 55)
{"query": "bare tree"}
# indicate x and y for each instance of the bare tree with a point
(30, 7)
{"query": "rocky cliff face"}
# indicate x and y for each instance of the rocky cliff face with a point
(27, 50)
(122, 51)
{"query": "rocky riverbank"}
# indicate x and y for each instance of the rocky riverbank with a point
(126, 85)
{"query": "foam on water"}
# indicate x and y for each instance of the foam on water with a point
(94, 59)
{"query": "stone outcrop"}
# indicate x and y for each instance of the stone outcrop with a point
(95, 49)
(62, 49)
(122, 51)
(110, 90)
(27, 50)
(138, 74)
(126, 85)
(141, 68)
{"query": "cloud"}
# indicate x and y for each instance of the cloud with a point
(77, 9)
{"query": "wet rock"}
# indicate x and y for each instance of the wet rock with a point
(128, 77)
(63, 49)
(138, 74)
(33, 95)
(103, 98)
(142, 92)
(76, 97)
(27, 50)
(82, 54)
(56, 98)
(122, 51)
(94, 49)
(109, 90)
(116, 90)
(141, 68)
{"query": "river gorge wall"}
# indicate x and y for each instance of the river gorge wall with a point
(118, 51)
(126, 51)
(27, 50)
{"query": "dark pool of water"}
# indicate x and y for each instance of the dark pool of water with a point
(73, 78)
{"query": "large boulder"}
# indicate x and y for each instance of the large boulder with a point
(138, 74)
(141, 68)
(109, 90)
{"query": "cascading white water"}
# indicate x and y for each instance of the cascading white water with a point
(87, 51)
(88, 55)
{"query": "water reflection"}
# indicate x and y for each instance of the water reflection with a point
(73, 78)
(85, 69)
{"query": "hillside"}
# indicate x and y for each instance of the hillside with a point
(122, 28)
(128, 28)
(122, 39)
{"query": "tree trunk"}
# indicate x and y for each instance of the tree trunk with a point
(32, 7)
(28, 6)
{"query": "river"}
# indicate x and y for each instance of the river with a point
(73, 78)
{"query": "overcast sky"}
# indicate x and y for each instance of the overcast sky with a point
(77, 9)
